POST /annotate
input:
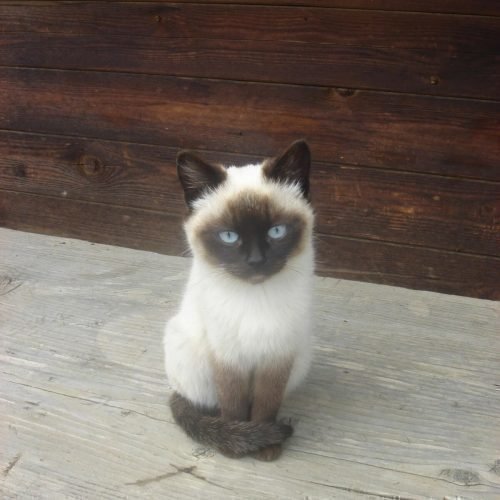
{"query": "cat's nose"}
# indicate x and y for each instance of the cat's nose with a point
(255, 256)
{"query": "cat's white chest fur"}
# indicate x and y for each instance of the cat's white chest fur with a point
(241, 325)
(246, 324)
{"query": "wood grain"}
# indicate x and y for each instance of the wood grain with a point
(405, 52)
(352, 258)
(484, 7)
(205, 20)
(408, 266)
(405, 132)
(83, 397)
(131, 175)
(455, 71)
(412, 209)
(96, 222)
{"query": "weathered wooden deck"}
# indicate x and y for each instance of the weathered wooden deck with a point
(403, 400)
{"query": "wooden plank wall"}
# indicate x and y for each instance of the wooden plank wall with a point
(400, 101)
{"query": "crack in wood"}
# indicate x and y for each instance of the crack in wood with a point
(161, 477)
(363, 492)
(433, 478)
(203, 478)
(178, 470)
(97, 402)
(11, 464)
(11, 289)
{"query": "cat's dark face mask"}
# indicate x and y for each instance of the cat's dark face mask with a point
(253, 241)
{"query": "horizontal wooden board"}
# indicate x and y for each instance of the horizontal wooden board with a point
(409, 267)
(466, 71)
(349, 258)
(447, 213)
(346, 27)
(131, 175)
(96, 222)
(426, 210)
(484, 7)
(405, 132)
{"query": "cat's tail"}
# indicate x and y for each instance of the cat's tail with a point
(231, 438)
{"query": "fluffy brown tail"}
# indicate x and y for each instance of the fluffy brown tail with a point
(233, 438)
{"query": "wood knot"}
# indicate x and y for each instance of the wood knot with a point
(5, 281)
(486, 211)
(461, 476)
(496, 467)
(90, 166)
(19, 170)
(345, 92)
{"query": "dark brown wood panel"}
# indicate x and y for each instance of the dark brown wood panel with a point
(448, 213)
(406, 52)
(426, 210)
(97, 222)
(346, 27)
(410, 267)
(484, 7)
(341, 257)
(143, 17)
(131, 175)
(470, 70)
(405, 132)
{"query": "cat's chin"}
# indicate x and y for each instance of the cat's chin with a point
(257, 278)
(252, 279)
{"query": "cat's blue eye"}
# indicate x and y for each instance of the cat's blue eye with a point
(229, 237)
(277, 232)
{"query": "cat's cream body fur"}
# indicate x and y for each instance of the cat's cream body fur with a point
(238, 323)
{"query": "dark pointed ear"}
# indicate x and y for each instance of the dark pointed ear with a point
(197, 176)
(292, 166)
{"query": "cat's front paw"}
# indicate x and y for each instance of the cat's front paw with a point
(269, 453)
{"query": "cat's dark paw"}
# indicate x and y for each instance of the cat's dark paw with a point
(286, 427)
(269, 453)
(231, 454)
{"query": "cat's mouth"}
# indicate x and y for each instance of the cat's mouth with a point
(253, 275)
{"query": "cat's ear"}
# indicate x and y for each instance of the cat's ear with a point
(292, 166)
(197, 176)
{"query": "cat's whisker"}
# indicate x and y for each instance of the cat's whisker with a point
(321, 262)
(211, 275)
(295, 270)
(320, 238)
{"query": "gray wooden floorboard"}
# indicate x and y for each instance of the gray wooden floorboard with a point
(403, 400)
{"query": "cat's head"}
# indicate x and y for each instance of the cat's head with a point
(250, 221)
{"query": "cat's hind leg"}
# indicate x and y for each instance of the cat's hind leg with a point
(187, 364)
(269, 385)
(233, 391)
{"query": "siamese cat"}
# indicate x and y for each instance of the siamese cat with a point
(240, 341)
